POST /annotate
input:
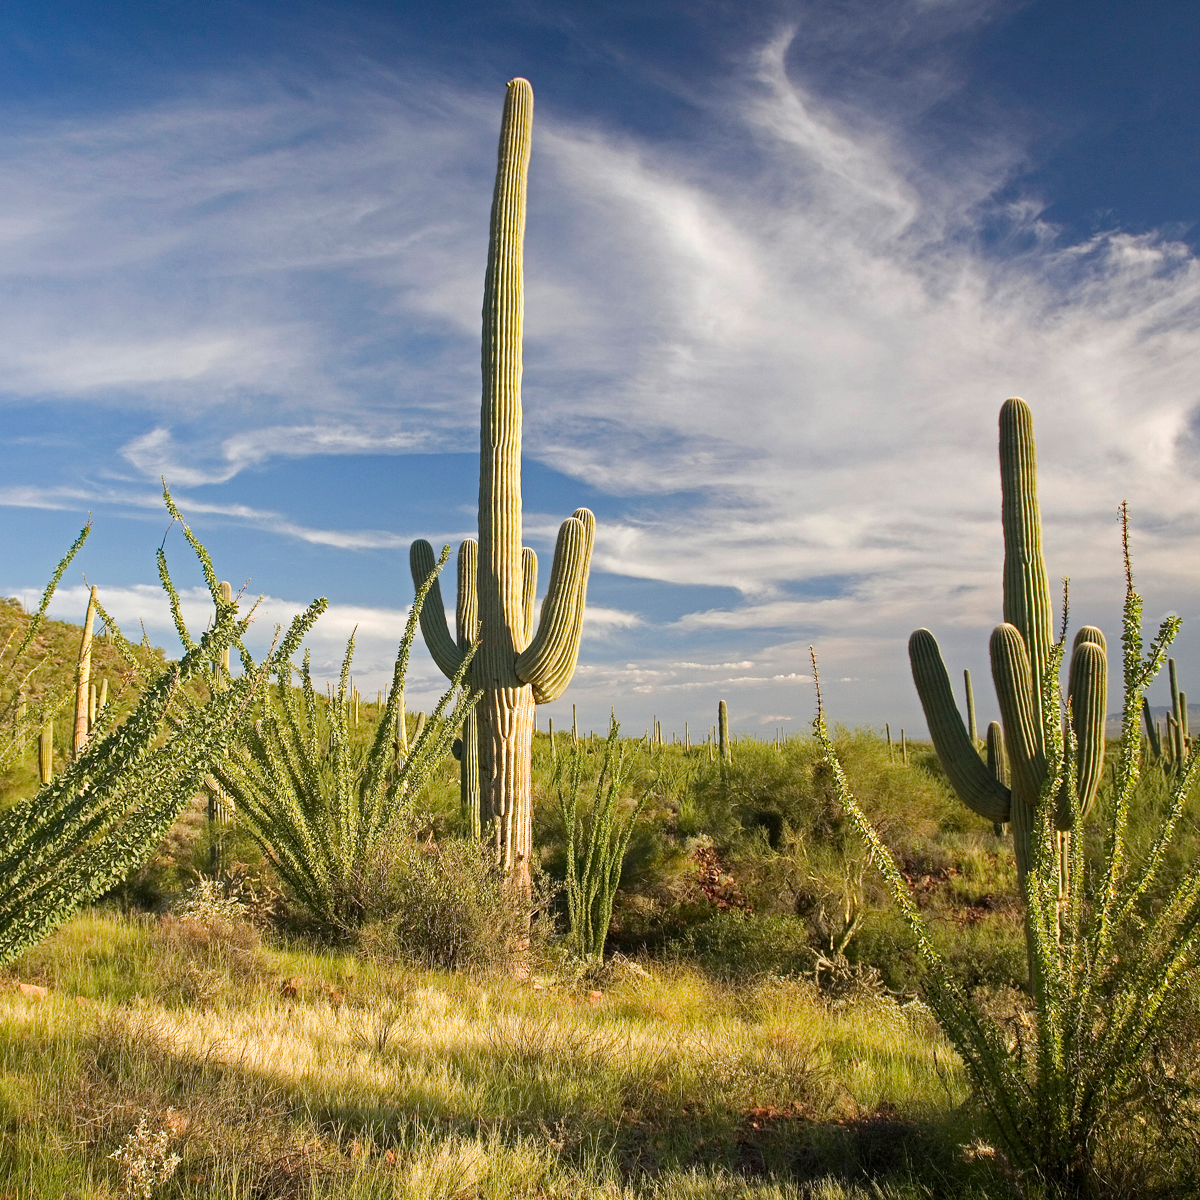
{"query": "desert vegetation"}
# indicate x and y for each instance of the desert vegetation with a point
(258, 941)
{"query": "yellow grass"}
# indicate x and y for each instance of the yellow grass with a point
(377, 1081)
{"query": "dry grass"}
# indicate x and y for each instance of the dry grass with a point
(302, 1074)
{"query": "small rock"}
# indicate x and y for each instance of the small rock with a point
(33, 990)
(595, 997)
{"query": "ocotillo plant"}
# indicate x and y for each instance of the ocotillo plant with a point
(1113, 970)
(1025, 664)
(515, 667)
(596, 844)
(100, 817)
(320, 814)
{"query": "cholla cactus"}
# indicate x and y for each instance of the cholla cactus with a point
(1024, 665)
(515, 667)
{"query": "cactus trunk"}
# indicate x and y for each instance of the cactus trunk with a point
(468, 777)
(723, 732)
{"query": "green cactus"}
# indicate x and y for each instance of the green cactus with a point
(515, 666)
(1023, 658)
(83, 670)
(723, 733)
(972, 728)
(1151, 729)
(46, 753)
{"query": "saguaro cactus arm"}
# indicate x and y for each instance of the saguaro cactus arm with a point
(1151, 729)
(975, 785)
(529, 575)
(1087, 689)
(467, 612)
(549, 661)
(997, 758)
(83, 673)
(422, 561)
(1014, 691)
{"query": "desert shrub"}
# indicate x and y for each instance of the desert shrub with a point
(444, 905)
(736, 944)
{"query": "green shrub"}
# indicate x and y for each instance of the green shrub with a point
(740, 945)
(444, 905)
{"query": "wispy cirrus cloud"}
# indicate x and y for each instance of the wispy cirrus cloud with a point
(782, 376)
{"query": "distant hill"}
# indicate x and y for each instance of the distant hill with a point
(1113, 728)
(55, 651)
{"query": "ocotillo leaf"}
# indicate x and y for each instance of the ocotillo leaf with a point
(970, 778)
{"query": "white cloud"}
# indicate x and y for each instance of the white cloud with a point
(812, 346)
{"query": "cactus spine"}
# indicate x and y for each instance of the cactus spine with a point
(515, 667)
(1022, 657)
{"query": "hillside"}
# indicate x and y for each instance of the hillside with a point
(49, 677)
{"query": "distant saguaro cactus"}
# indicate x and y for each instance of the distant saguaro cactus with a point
(515, 667)
(723, 732)
(83, 671)
(46, 753)
(1023, 656)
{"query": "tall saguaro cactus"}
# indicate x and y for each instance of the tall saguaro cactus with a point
(1022, 657)
(515, 667)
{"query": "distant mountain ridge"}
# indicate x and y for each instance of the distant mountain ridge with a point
(1112, 728)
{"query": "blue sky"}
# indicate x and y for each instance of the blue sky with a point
(784, 263)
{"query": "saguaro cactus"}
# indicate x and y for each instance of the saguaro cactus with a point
(514, 667)
(83, 672)
(1021, 655)
(46, 753)
(723, 732)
